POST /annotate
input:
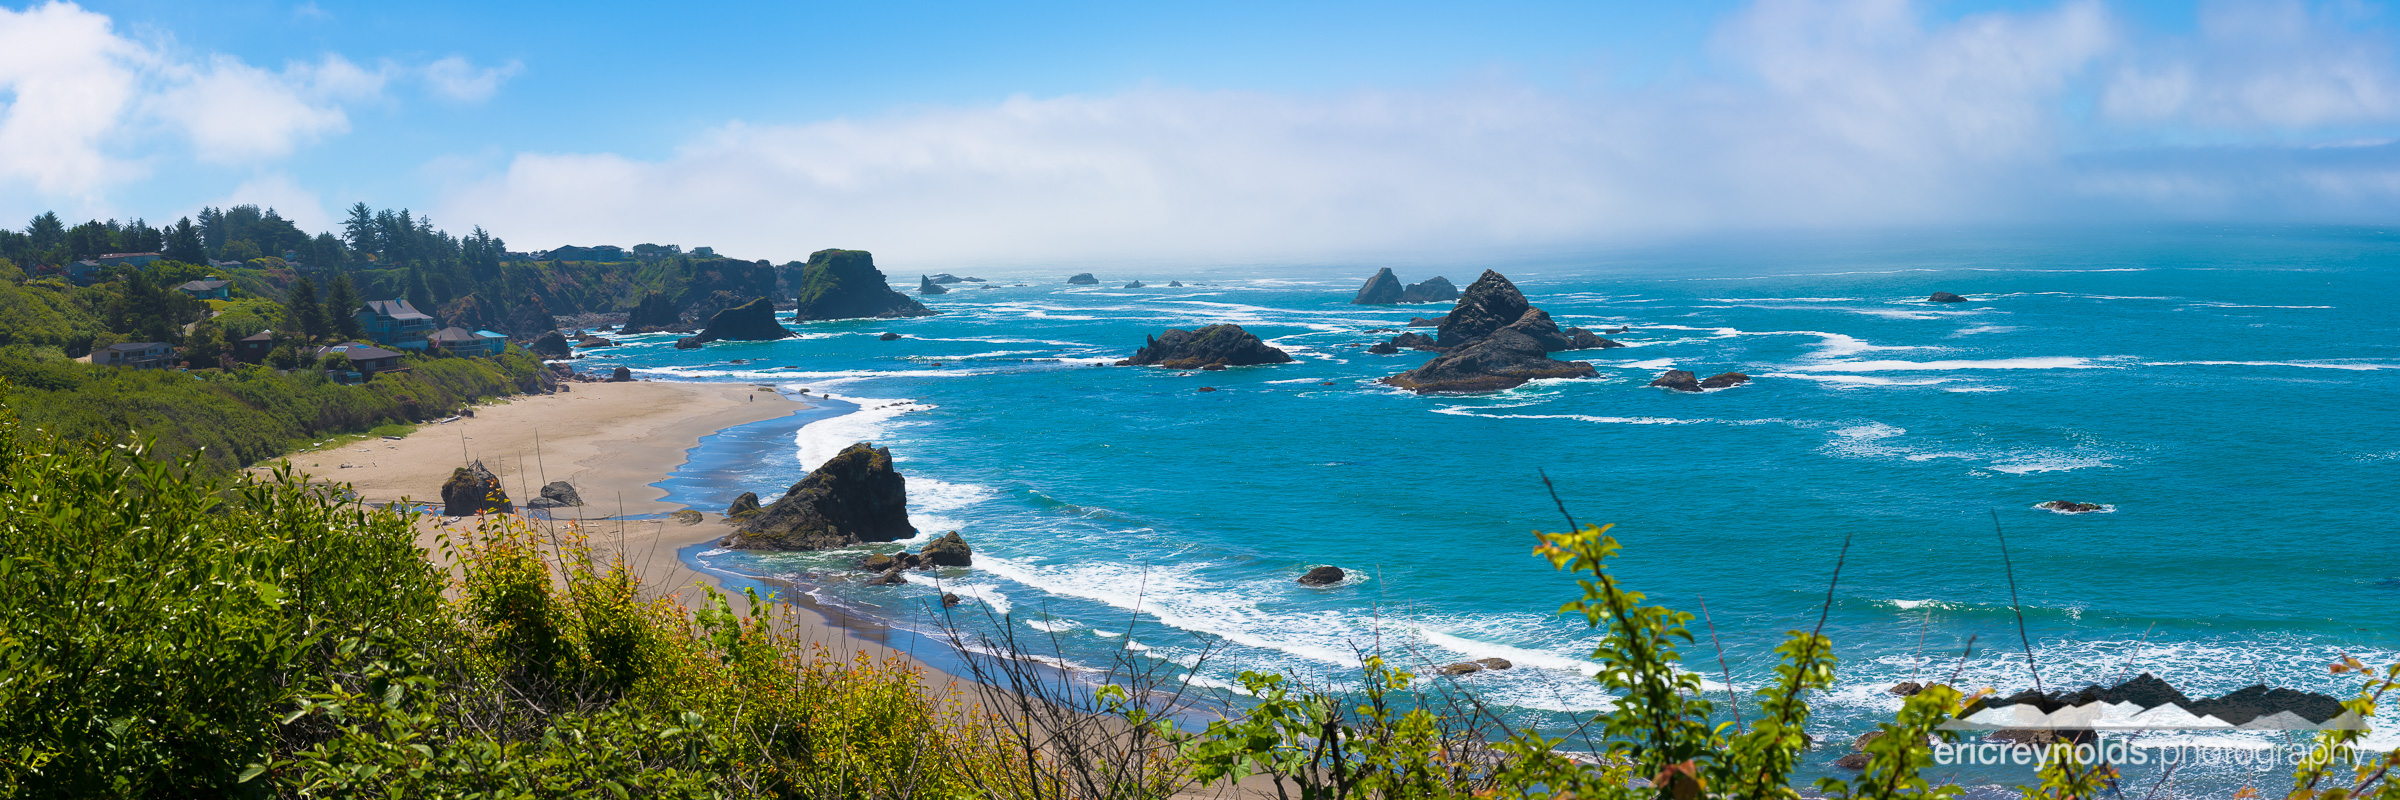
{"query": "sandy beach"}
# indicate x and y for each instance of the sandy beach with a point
(610, 441)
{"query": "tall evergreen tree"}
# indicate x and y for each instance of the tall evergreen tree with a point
(360, 229)
(300, 308)
(419, 294)
(341, 307)
(183, 243)
(46, 231)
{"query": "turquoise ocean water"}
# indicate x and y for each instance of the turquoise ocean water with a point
(2233, 395)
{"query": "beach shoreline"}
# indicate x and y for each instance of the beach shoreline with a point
(615, 443)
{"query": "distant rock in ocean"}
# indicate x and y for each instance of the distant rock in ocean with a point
(1435, 290)
(1489, 305)
(1323, 576)
(844, 284)
(1723, 380)
(1083, 279)
(855, 497)
(1681, 380)
(949, 278)
(1134, 285)
(1381, 290)
(1224, 344)
(753, 321)
(1945, 297)
(889, 337)
(1581, 339)
(2070, 507)
(1427, 322)
(1492, 340)
(1383, 348)
(1174, 284)
(927, 285)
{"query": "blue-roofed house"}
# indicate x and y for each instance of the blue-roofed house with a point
(394, 323)
(459, 341)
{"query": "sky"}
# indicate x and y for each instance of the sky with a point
(957, 134)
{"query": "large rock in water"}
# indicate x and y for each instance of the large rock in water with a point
(855, 497)
(948, 550)
(926, 285)
(1679, 380)
(1535, 324)
(1580, 339)
(743, 506)
(472, 490)
(1489, 305)
(1323, 576)
(1083, 279)
(653, 314)
(551, 345)
(1945, 297)
(1505, 359)
(753, 321)
(1226, 345)
(1436, 290)
(844, 284)
(1723, 380)
(1381, 290)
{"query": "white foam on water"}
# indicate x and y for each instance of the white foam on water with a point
(1782, 299)
(1052, 625)
(1173, 597)
(1521, 657)
(1974, 389)
(2045, 362)
(1656, 363)
(823, 439)
(1836, 345)
(1846, 381)
(990, 340)
(1976, 329)
(2353, 366)
(1106, 634)
(2207, 304)
(986, 594)
(2030, 464)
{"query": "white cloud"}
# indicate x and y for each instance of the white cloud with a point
(68, 80)
(455, 78)
(2272, 64)
(237, 113)
(287, 197)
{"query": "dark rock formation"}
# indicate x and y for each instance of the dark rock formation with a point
(1858, 757)
(1462, 668)
(890, 578)
(620, 375)
(1205, 389)
(1495, 663)
(889, 337)
(926, 285)
(689, 343)
(654, 313)
(1383, 348)
(753, 321)
(1415, 341)
(472, 490)
(1174, 284)
(1724, 379)
(561, 493)
(949, 600)
(1382, 290)
(529, 317)
(1945, 297)
(687, 516)
(1134, 285)
(1906, 688)
(551, 345)
(2071, 507)
(743, 506)
(1215, 344)
(844, 284)
(1083, 279)
(949, 278)
(1436, 290)
(855, 497)
(589, 342)
(1504, 359)
(879, 562)
(1580, 339)
(1323, 576)
(949, 551)
(1535, 324)
(1679, 380)
(1423, 322)
(1489, 305)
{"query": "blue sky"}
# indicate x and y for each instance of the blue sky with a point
(953, 133)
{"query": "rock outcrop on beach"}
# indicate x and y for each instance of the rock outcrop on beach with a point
(1323, 576)
(1223, 344)
(1681, 380)
(844, 284)
(753, 321)
(556, 494)
(926, 285)
(655, 313)
(743, 506)
(1724, 379)
(1580, 339)
(1434, 290)
(1083, 279)
(620, 375)
(551, 345)
(1491, 341)
(471, 490)
(1381, 290)
(855, 497)
(2070, 507)
(1945, 297)
(948, 550)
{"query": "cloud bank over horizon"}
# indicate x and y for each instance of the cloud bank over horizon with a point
(1804, 115)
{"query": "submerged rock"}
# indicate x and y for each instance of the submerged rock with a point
(753, 321)
(1906, 688)
(855, 497)
(689, 343)
(1224, 344)
(1323, 576)
(1505, 359)
(472, 490)
(1435, 290)
(889, 337)
(926, 285)
(1945, 297)
(844, 284)
(1381, 290)
(1724, 379)
(949, 551)
(892, 577)
(1495, 663)
(1414, 341)
(1083, 279)
(1462, 668)
(2070, 507)
(1580, 339)
(1679, 380)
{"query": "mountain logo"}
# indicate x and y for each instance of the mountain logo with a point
(2149, 704)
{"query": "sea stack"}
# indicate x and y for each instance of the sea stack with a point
(844, 284)
(855, 497)
(1083, 279)
(926, 285)
(1222, 345)
(1436, 290)
(1680, 380)
(1381, 290)
(1491, 341)
(753, 321)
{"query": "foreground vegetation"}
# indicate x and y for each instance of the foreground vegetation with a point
(169, 632)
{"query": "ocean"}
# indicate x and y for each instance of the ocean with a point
(2231, 396)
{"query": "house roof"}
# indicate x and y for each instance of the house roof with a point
(135, 347)
(360, 351)
(491, 335)
(396, 309)
(453, 334)
(261, 336)
(203, 286)
(127, 255)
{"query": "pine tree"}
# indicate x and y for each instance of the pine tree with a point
(183, 243)
(341, 307)
(300, 308)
